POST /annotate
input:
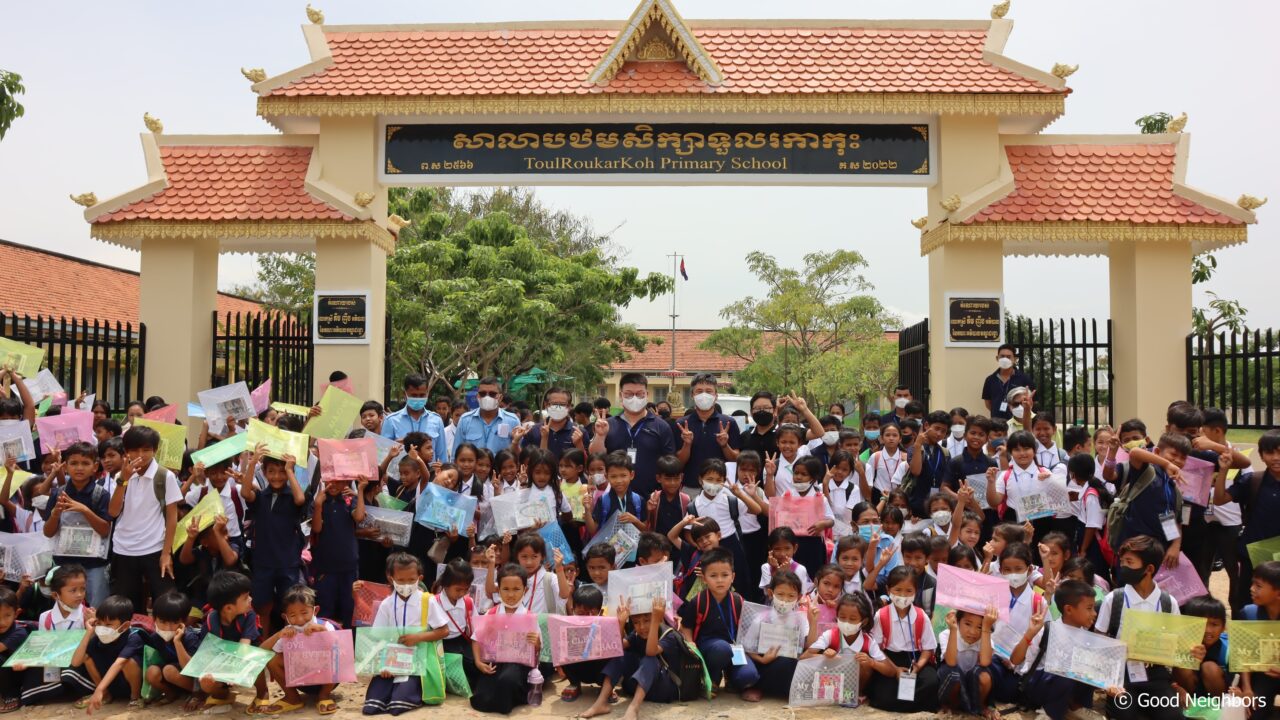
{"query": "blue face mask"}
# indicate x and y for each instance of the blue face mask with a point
(416, 404)
(871, 434)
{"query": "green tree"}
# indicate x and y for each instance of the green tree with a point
(862, 371)
(286, 282)
(10, 109)
(808, 317)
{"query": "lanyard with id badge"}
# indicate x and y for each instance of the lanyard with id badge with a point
(634, 431)
(1168, 519)
(907, 679)
(739, 653)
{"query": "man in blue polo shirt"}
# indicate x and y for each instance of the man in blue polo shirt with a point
(706, 432)
(641, 434)
(1007, 376)
(415, 417)
(562, 434)
(901, 397)
(487, 426)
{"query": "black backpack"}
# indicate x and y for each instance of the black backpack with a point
(689, 676)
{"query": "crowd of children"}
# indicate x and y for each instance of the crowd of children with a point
(901, 496)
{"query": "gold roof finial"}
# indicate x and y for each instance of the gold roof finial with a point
(398, 222)
(1177, 124)
(364, 198)
(951, 204)
(152, 124)
(315, 16)
(1064, 71)
(1249, 202)
(999, 11)
(920, 222)
(86, 199)
(256, 75)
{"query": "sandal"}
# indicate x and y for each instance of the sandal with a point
(257, 707)
(10, 704)
(326, 707)
(194, 702)
(280, 707)
(571, 693)
(137, 704)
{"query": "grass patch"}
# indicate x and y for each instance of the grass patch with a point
(1244, 435)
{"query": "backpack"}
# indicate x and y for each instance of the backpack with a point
(700, 613)
(833, 641)
(1024, 680)
(606, 503)
(883, 615)
(468, 605)
(1117, 607)
(652, 520)
(1104, 547)
(1120, 506)
(690, 676)
(692, 509)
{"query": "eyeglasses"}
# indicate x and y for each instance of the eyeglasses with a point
(487, 393)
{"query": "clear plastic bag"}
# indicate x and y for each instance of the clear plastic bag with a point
(825, 681)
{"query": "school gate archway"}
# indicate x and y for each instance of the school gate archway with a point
(660, 100)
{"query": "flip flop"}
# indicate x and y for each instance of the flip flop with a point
(256, 707)
(326, 707)
(570, 694)
(280, 707)
(193, 703)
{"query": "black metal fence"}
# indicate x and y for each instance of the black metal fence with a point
(913, 360)
(93, 356)
(1070, 362)
(1236, 373)
(255, 346)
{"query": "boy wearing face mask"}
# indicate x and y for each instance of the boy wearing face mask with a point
(175, 643)
(827, 445)
(108, 663)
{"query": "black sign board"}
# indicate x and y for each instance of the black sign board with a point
(974, 321)
(341, 318)
(630, 149)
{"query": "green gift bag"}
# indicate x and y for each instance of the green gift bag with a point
(433, 684)
(455, 677)
(544, 656)
(150, 657)
(47, 648)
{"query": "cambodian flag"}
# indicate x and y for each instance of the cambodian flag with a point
(683, 274)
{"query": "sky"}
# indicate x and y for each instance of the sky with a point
(92, 70)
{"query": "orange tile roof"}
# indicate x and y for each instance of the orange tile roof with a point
(1093, 182)
(231, 182)
(759, 60)
(71, 287)
(689, 357)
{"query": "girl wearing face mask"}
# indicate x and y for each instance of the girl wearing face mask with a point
(941, 510)
(852, 636)
(955, 442)
(906, 634)
(845, 485)
(299, 603)
(775, 637)
(811, 547)
(1016, 567)
(406, 608)
(597, 481)
(888, 465)
(779, 468)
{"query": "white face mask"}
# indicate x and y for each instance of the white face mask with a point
(902, 602)
(1018, 411)
(512, 608)
(957, 431)
(802, 487)
(712, 489)
(106, 634)
(782, 607)
(704, 401)
(40, 503)
(848, 628)
(1016, 580)
(599, 479)
(830, 437)
(940, 518)
(1005, 363)
(488, 404)
(635, 404)
(405, 591)
(557, 412)
(900, 403)
(166, 635)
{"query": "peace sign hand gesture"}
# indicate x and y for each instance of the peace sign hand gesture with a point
(602, 422)
(722, 437)
(686, 435)
(770, 464)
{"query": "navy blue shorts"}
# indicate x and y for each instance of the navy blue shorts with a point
(270, 584)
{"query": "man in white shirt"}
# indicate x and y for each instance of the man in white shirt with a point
(142, 543)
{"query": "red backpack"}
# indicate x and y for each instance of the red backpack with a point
(834, 641)
(700, 612)
(917, 625)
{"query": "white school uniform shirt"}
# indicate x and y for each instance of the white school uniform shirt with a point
(1048, 457)
(849, 646)
(1088, 509)
(796, 619)
(1226, 515)
(766, 576)
(750, 522)
(717, 509)
(845, 495)
(902, 631)
(1132, 601)
(1033, 649)
(535, 593)
(547, 496)
(1017, 482)
(887, 470)
(954, 447)
(855, 585)
(140, 528)
(55, 619)
(966, 653)
(395, 611)
(782, 477)
(228, 507)
(442, 613)
(488, 489)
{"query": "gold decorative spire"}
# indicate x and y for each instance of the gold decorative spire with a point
(315, 16)
(398, 222)
(1249, 202)
(152, 124)
(920, 222)
(1177, 124)
(256, 75)
(951, 204)
(86, 199)
(999, 11)
(1063, 71)
(364, 198)
(656, 49)
(679, 37)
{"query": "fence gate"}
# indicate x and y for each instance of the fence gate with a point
(1070, 362)
(255, 346)
(93, 356)
(1236, 374)
(913, 360)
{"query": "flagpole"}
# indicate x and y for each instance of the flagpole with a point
(675, 258)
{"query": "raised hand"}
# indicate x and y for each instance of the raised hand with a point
(686, 435)
(722, 437)
(770, 464)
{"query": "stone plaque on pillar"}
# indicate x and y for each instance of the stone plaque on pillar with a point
(340, 318)
(974, 320)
